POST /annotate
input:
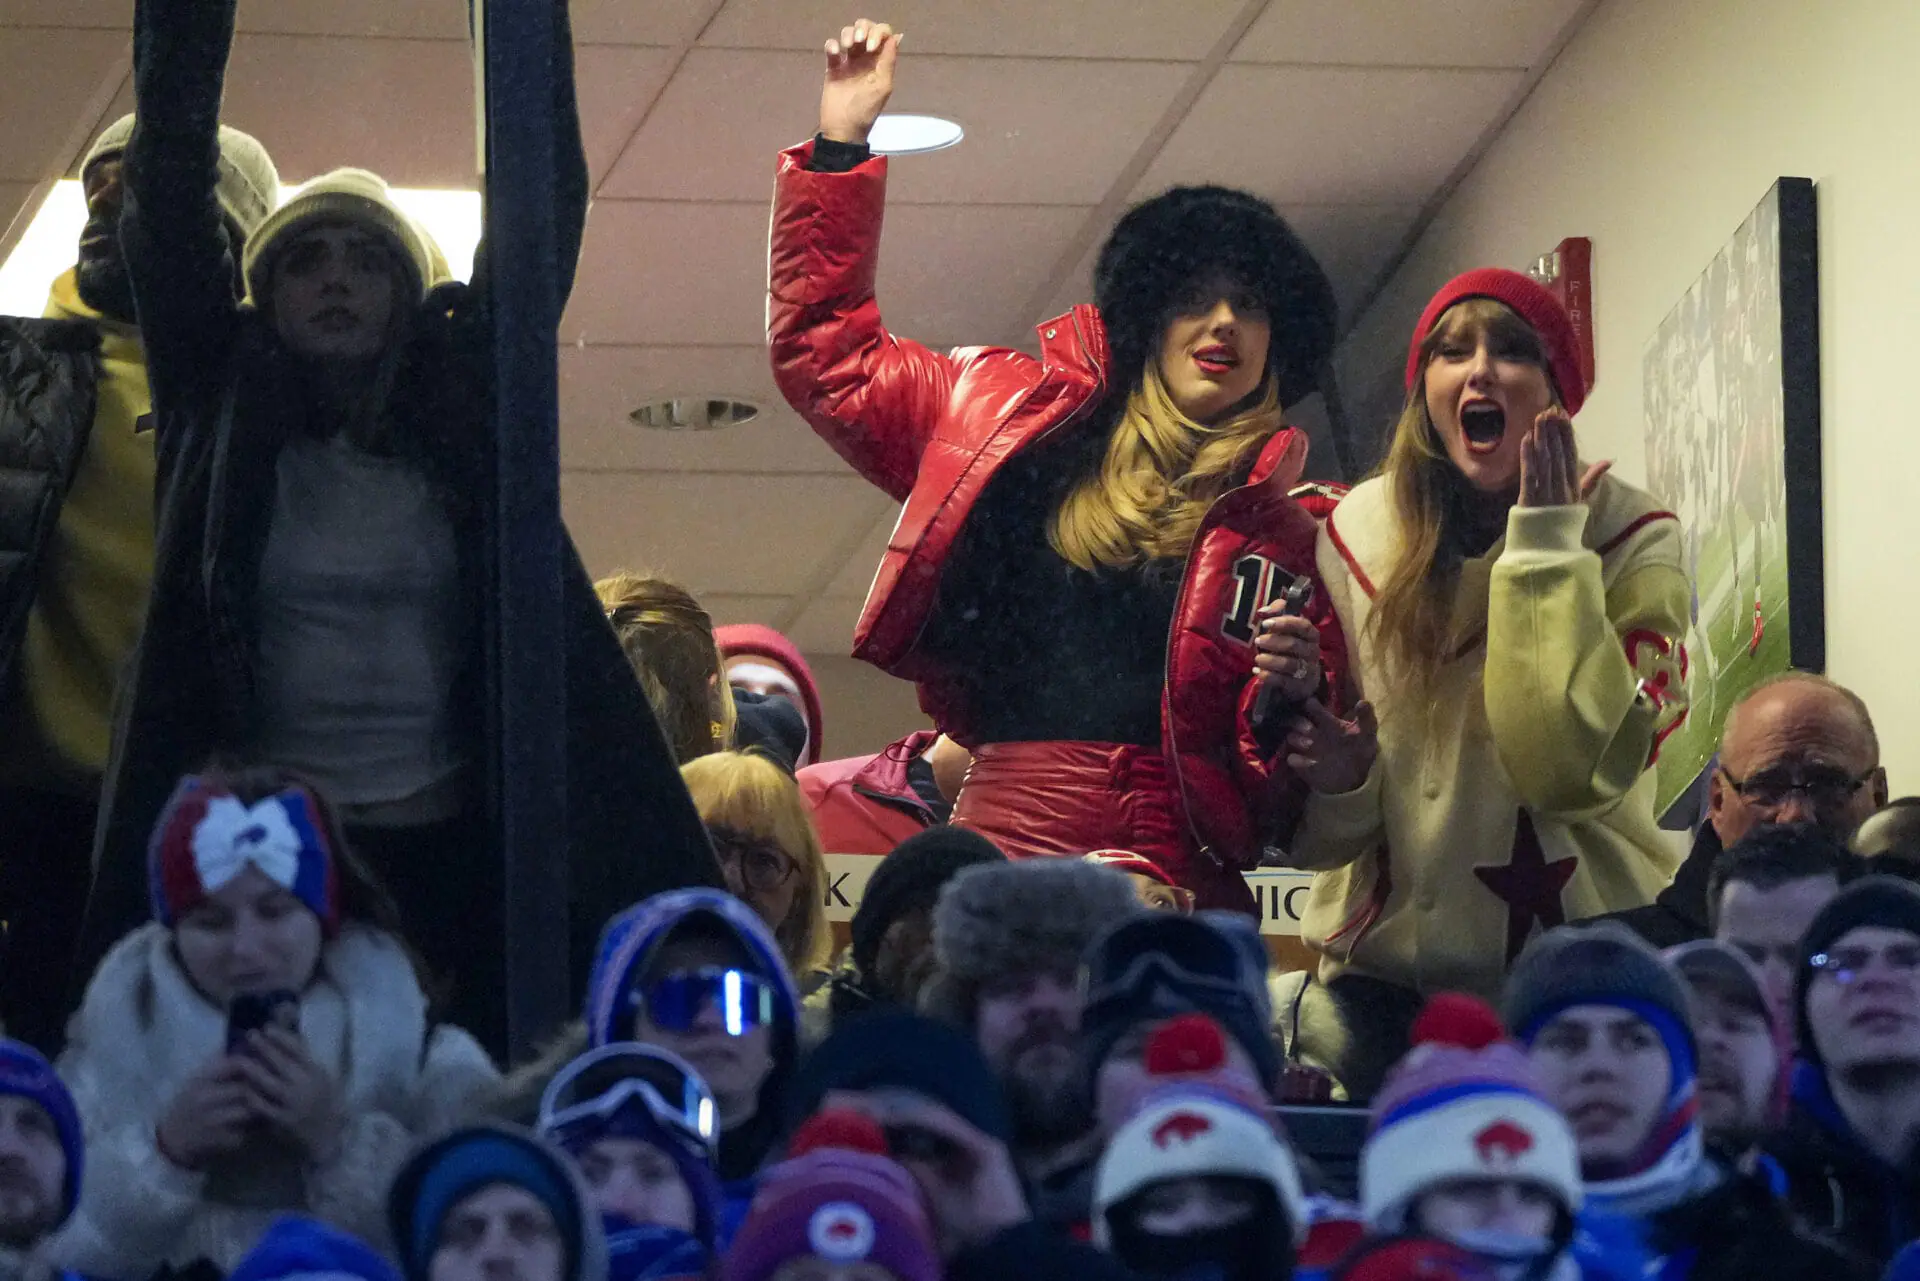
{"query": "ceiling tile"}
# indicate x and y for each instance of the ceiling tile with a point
(430, 19)
(727, 609)
(116, 15)
(826, 625)
(403, 108)
(727, 535)
(856, 576)
(1037, 132)
(49, 79)
(656, 22)
(671, 273)
(599, 386)
(936, 255)
(617, 83)
(1432, 33)
(1032, 28)
(1332, 136)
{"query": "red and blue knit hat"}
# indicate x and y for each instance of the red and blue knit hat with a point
(1464, 1104)
(838, 1197)
(207, 836)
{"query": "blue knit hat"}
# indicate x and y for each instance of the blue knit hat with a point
(295, 1246)
(25, 1074)
(445, 1173)
(630, 939)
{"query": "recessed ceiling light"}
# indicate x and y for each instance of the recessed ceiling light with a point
(905, 135)
(695, 413)
(52, 239)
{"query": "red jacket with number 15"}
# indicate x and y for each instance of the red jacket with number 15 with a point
(932, 429)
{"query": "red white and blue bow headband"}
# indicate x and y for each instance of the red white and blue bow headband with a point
(207, 836)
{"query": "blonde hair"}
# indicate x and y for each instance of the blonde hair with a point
(668, 640)
(748, 793)
(1412, 618)
(1160, 472)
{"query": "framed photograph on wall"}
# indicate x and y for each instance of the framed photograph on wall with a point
(1731, 391)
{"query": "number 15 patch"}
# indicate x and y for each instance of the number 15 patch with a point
(1257, 583)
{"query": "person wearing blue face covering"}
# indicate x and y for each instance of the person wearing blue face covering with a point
(1608, 1029)
(642, 1127)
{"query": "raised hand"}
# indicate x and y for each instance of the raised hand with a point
(859, 80)
(1287, 654)
(1330, 755)
(1550, 463)
(291, 1092)
(210, 1117)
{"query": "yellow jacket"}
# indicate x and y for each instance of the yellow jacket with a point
(1520, 798)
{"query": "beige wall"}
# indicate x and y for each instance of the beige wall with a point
(865, 709)
(1662, 125)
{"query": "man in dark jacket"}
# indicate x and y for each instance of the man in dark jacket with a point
(76, 560)
(1851, 1150)
(1796, 749)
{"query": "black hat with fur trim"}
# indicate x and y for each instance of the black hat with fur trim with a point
(1023, 917)
(1183, 236)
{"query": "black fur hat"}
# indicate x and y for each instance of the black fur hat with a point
(1181, 236)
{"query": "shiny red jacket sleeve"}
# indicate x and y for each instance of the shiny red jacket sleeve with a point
(875, 398)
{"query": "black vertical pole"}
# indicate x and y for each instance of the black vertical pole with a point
(516, 46)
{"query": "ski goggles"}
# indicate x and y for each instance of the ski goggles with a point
(675, 1002)
(1161, 950)
(587, 1100)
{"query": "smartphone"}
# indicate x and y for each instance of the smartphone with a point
(1297, 595)
(254, 1011)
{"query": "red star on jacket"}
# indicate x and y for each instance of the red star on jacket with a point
(1529, 886)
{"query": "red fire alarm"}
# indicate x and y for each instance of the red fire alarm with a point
(1568, 272)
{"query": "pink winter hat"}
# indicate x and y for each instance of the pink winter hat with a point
(837, 1197)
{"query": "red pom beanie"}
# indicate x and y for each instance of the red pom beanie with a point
(1534, 304)
(752, 640)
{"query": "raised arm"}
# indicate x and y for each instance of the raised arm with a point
(1574, 714)
(172, 228)
(571, 182)
(873, 397)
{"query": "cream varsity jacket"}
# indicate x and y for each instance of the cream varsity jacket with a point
(1520, 798)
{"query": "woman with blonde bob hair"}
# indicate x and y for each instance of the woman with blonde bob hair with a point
(757, 821)
(1515, 619)
(1091, 539)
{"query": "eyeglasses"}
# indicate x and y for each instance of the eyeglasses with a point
(1824, 786)
(763, 866)
(586, 1100)
(1845, 965)
(674, 1002)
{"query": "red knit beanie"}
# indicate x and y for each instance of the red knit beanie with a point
(752, 640)
(1534, 304)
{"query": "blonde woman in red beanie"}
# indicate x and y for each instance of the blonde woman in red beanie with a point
(1515, 617)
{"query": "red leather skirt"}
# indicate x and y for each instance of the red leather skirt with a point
(1067, 799)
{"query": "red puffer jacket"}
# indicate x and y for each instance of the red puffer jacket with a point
(932, 429)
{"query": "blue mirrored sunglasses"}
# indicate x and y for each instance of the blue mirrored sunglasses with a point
(674, 1002)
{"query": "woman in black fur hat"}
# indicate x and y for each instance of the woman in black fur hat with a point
(1091, 540)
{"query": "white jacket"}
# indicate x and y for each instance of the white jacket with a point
(144, 1030)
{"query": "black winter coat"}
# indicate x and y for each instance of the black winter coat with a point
(1838, 1187)
(49, 383)
(226, 398)
(1740, 1232)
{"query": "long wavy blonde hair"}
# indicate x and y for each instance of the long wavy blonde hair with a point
(1411, 622)
(1160, 472)
(747, 793)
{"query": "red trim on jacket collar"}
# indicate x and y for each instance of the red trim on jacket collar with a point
(1633, 527)
(1353, 562)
